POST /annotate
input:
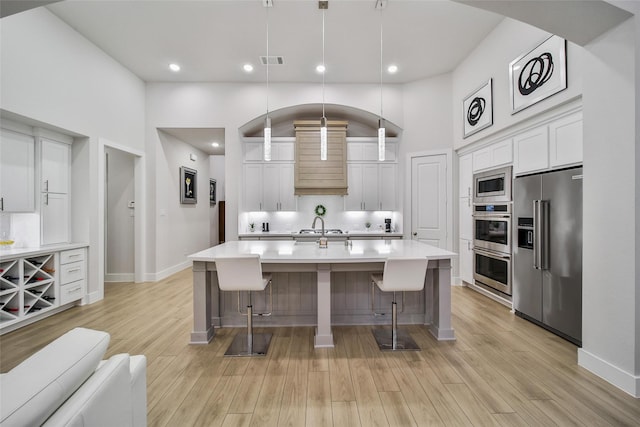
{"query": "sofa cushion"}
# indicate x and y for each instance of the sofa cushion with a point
(33, 390)
(104, 400)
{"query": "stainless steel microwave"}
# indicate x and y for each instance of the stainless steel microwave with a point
(492, 186)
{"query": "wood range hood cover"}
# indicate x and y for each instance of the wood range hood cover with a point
(320, 177)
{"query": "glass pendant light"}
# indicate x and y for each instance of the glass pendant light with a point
(323, 121)
(267, 120)
(381, 122)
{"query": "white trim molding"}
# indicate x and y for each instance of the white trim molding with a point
(160, 275)
(623, 380)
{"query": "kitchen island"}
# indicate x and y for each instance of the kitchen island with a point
(359, 257)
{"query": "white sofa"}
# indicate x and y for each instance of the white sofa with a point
(68, 384)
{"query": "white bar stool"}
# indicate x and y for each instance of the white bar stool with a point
(399, 275)
(244, 274)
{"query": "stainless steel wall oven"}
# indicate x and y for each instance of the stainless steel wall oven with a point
(492, 236)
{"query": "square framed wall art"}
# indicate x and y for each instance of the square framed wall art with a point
(538, 74)
(477, 109)
(188, 185)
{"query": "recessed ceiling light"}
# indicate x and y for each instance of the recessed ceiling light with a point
(174, 67)
(320, 68)
(215, 144)
(247, 67)
(392, 69)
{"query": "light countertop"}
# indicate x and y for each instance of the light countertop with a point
(9, 253)
(289, 251)
(295, 234)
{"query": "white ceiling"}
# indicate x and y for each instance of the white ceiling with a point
(212, 39)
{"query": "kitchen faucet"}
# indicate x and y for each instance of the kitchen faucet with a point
(314, 223)
(322, 242)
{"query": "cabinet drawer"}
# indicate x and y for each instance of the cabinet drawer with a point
(72, 292)
(71, 272)
(71, 256)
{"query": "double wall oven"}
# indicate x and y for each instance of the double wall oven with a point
(492, 233)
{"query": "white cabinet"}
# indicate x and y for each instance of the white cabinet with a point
(55, 166)
(465, 176)
(372, 187)
(553, 145)
(253, 187)
(17, 172)
(466, 261)
(72, 275)
(388, 187)
(465, 210)
(368, 151)
(54, 217)
(498, 154)
(278, 187)
(466, 219)
(280, 151)
(55, 174)
(565, 141)
(269, 187)
(531, 151)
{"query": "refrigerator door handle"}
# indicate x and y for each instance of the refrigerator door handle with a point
(536, 238)
(544, 234)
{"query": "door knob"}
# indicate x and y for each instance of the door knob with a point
(415, 233)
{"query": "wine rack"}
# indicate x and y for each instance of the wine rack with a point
(27, 287)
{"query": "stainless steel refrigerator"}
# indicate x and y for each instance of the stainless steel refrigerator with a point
(547, 254)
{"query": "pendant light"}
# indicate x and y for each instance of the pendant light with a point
(267, 120)
(323, 121)
(380, 4)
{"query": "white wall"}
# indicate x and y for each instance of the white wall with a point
(231, 105)
(182, 229)
(119, 238)
(611, 335)
(55, 76)
(491, 59)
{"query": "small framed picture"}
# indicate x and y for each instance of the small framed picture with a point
(538, 74)
(477, 109)
(212, 191)
(188, 185)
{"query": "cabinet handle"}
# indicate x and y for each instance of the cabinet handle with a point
(469, 192)
(46, 185)
(73, 270)
(74, 255)
(468, 202)
(1, 203)
(46, 199)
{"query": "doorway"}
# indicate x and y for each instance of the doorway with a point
(119, 210)
(431, 212)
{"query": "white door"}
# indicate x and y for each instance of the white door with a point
(271, 187)
(429, 199)
(370, 201)
(287, 197)
(388, 187)
(253, 187)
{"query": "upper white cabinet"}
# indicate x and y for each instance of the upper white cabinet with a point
(498, 154)
(565, 141)
(253, 187)
(553, 145)
(278, 187)
(269, 187)
(388, 187)
(372, 187)
(54, 217)
(55, 166)
(531, 151)
(17, 172)
(280, 151)
(368, 151)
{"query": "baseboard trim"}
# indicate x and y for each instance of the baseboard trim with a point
(623, 380)
(118, 277)
(156, 277)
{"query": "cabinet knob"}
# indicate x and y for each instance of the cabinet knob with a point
(415, 233)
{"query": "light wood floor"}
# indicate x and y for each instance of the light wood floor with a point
(501, 370)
